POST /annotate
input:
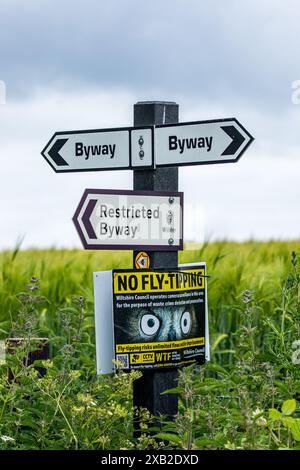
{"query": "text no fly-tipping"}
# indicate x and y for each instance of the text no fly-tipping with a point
(158, 281)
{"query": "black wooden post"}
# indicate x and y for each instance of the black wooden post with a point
(147, 390)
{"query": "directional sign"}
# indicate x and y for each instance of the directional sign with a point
(189, 143)
(101, 149)
(201, 142)
(111, 219)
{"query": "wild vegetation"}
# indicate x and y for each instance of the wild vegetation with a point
(247, 397)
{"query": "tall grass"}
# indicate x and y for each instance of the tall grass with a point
(232, 267)
(245, 398)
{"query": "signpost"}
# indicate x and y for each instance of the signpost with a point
(121, 148)
(148, 218)
(114, 219)
(148, 390)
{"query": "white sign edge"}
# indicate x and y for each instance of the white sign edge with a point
(104, 332)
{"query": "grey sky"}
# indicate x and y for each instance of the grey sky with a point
(71, 65)
(233, 52)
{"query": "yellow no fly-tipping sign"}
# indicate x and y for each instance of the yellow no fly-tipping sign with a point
(155, 281)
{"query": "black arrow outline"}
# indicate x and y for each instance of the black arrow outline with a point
(237, 139)
(86, 218)
(54, 152)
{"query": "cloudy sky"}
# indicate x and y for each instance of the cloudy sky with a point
(81, 65)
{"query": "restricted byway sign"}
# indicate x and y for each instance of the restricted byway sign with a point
(101, 149)
(112, 219)
(201, 142)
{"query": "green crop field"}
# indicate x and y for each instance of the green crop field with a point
(247, 397)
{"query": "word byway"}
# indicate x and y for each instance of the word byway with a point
(190, 143)
(88, 150)
(116, 231)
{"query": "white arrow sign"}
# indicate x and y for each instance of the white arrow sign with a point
(187, 143)
(111, 219)
(101, 149)
(201, 142)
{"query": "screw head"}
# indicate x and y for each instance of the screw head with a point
(169, 217)
(141, 154)
(171, 200)
(141, 141)
(171, 241)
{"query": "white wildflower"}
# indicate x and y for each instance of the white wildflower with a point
(7, 438)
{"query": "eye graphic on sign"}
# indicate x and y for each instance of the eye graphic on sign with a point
(139, 325)
(186, 322)
(149, 324)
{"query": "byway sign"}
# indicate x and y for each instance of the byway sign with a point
(201, 142)
(112, 219)
(187, 143)
(100, 149)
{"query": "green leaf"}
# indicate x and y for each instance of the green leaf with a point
(289, 407)
(295, 428)
(172, 438)
(204, 442)
(224, 351)
(173, 390)
(274, 414)
(204, 389)
(5, 325)
(287, 421)
(216, 368)
(218, 341)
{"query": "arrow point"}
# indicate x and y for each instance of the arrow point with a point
(86, 218)
(54, 152)
(237, 139)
